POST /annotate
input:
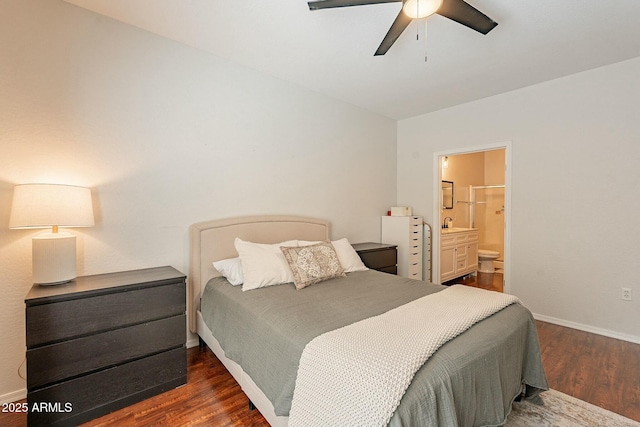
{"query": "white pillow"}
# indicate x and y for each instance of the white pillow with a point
(348, 257)
(262, 264)
(231, 268)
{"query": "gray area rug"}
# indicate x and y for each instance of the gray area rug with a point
(561, 410)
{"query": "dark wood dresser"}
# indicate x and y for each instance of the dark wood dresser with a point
(378, 256)
(103, 342)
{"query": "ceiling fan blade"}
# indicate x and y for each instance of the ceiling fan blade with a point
(402, 21)
(329, 4)
(467, 15)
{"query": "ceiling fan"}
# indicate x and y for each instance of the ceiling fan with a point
(456, 10)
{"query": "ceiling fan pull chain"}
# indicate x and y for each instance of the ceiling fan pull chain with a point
(425, 40)
(425, 35)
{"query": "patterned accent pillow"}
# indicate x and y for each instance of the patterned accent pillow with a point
(312, 264)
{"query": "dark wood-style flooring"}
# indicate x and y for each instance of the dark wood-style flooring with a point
(488, 281)
(600, 370)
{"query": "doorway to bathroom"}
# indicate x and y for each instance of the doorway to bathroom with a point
(472, 192)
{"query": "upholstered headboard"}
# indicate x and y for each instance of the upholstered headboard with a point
(213, 240)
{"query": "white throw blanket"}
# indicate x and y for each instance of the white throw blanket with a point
(357, 375)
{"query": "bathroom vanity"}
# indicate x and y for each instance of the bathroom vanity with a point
(458, 252)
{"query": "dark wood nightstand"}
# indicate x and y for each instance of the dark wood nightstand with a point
(103, 342)
(378, 256)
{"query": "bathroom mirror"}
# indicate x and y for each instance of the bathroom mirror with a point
(447, 194)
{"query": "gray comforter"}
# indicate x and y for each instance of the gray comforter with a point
(470, 381)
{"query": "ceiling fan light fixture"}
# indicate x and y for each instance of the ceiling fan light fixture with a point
(417, 9)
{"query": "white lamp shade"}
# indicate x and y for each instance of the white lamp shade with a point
(47, 205)
(417, 9)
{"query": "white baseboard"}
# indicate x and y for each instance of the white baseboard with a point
(193, 342)
(13, 396)
(587, 328)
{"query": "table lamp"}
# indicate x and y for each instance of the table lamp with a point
(52, 205)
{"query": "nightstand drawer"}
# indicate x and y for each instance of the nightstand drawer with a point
(379, 259)
(378, 256)
(67, 359)
(391, 270)
(114, 388)
(56, 321)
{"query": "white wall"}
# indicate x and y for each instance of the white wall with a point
(575, 178)
(165, 136)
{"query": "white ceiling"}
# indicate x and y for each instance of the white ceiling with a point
(331, 51)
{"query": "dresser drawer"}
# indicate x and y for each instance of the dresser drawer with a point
(115, 388)
(67, 359)
(51, 322)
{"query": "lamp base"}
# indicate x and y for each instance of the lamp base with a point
(54, 258)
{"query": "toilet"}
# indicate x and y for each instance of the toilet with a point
(485, 260)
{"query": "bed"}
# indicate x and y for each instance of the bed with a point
(470, 380)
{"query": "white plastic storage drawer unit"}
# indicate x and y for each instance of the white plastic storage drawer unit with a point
(406, 233)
